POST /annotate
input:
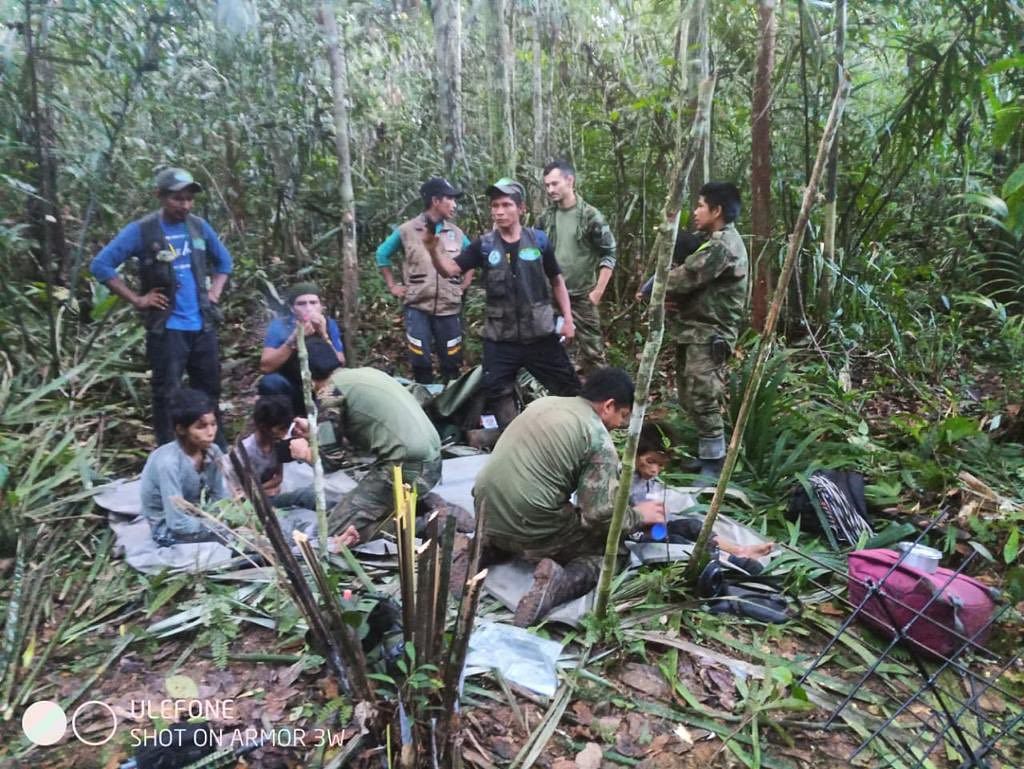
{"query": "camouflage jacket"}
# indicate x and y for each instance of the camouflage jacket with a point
(594, 241)
(710, 289)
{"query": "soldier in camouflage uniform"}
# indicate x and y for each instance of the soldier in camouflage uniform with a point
(709, 292)
(375, 415)
(559, 446)
(585, 250)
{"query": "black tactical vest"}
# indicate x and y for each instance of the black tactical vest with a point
(155, 272)
(518, 292)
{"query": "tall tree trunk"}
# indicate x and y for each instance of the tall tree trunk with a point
(44, 210)
(682, 56)
(146, 63)
(339, 88)
(448, 64)
(829, 268)
(540, 149)
(760, 163)
(503, 67)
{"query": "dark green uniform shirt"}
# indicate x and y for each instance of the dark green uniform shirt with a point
(377, 415)
(557, 446)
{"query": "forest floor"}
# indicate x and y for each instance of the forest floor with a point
(669, 686)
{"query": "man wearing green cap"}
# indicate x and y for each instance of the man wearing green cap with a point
(183, 268)
(279, 361)
(433, 303)
(520, 275)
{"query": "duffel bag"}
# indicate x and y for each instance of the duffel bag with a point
(958, 607)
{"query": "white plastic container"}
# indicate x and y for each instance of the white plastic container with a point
(921, 557)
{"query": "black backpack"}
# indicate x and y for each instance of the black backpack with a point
(831, 502)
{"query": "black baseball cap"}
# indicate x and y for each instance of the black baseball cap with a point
(175, 180)
(436, 187)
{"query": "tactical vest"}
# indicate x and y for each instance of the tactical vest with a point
(518, 293)
(158, 273)
(425, 288)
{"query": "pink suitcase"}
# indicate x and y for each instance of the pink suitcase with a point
(963, 606)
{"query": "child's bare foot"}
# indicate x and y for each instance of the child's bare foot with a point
(347, 538)
(753, 551)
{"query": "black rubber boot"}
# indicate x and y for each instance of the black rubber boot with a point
(553, 585)
(692, 466)
(711, 468)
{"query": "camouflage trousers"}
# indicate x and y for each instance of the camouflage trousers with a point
(587, 351)
(701, 383)
(580, 546)
(371, 504)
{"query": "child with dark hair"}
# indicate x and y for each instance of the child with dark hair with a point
(653, 454)
(189, 468)
(272, 417)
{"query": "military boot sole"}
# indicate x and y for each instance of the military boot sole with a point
(537, 601)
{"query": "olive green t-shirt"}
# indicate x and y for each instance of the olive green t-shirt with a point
(579, 265)
(378, 416)
(556, 447)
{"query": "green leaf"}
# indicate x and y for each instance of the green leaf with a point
(1012, 545)
(1008, 121)
(956, 429)
(181, 688)
(1015, 182)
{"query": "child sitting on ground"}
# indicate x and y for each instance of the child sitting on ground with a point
(268, 449)
(653, 453)
(189, 467)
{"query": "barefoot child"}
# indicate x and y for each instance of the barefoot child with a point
(653, 453)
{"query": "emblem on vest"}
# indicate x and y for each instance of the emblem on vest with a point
(494, 258)
(529, 254)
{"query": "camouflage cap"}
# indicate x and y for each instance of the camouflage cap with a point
(175, 180)
(507, 186)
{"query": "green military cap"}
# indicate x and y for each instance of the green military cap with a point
(506, 186)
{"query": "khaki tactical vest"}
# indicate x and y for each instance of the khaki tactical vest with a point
(425, 288)
(155, 272)
(518, 293)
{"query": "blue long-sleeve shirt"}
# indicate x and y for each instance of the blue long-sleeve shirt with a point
(186, 315)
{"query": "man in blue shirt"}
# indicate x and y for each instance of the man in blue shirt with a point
(183, 268)
(279, 361)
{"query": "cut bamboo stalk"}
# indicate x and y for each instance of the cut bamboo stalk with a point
(460, 640)
(766, 342)
(314, 438)
(296, 581)
(351, 650)
(444, 573)
(663, 246)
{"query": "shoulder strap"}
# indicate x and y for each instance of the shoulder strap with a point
(152, 234)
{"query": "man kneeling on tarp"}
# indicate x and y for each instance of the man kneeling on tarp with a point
(375, 415)
(190, 468)
(557, 447)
